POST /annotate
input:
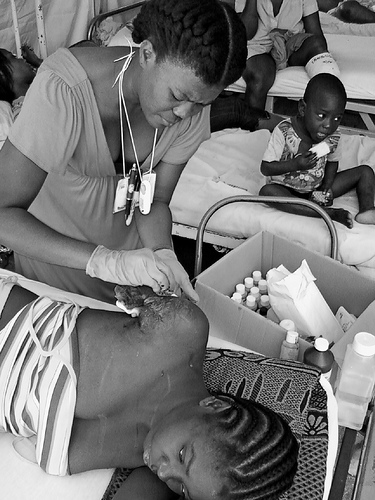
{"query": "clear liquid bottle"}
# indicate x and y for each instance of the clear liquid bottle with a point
(249, 283)
(356, 381)
(257, 276)
(320, 356)
(290, 346)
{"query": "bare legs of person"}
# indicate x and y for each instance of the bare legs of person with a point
(259, 76)
(336, 214)
(353, 12)
(360, 178)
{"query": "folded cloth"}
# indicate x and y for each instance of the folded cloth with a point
(39, 364)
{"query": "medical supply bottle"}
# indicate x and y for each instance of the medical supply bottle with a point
(290, 346)
(356, 381)
(320, 356)
(251, 303)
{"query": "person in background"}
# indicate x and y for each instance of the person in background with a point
(350, 11)
(90, 116)
(282, 33)
(16, 76)
(295, 168)
(133, 397)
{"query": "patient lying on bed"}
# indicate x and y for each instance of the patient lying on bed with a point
(98, 389)
(302, 157)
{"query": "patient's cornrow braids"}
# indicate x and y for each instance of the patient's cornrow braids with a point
(258, 449)
(204, 35)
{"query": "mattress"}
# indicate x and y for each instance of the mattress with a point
(228, 164)
(355, 58)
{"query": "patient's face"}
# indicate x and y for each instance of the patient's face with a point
(180, 452)
(323, 115)
(170, 92)
(22, 72)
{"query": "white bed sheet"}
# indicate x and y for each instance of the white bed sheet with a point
(228, 165)
(355, 57)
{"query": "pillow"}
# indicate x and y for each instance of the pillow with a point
(6, 120)
(294, 391)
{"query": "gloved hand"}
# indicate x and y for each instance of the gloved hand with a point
(129, 267)
(179, 279)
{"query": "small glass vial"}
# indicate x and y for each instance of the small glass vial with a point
(264, 301)
(290, 346)
(254, 291)
(263, 311)
(263, 287)
(237, 297)
(251, 303)
(240, 288)
(249, 283)
(257, 276)
(320, 356)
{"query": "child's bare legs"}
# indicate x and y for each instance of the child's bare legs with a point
(361, 178)
(336, 214)
(259, 76)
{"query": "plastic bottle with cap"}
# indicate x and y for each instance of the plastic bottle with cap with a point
(264, 301)
(251, 303)
(320, 356)
(356, 381)
(263, 287)
(257, 276)
(249, 283)
(237, 297)
(288, 324)
(290, 346)
(240, 288)
(254, 291)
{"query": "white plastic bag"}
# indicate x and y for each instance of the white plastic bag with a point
(295, 296)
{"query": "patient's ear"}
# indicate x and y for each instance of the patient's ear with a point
(212, 403)
(301, 107)
(146, 53)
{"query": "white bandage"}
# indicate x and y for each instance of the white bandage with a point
(322, 63)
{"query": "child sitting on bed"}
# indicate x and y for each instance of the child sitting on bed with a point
(295, 168)
(101, 389)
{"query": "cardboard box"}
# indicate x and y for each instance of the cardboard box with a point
(233, 322)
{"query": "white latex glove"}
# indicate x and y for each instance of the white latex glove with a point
(129, 267)
(179, 279)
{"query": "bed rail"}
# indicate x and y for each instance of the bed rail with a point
(94, 23)
(261, 199)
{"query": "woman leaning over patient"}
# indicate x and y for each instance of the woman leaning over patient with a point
(63, 158)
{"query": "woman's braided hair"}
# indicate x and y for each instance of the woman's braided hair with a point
(205, 35)
(6, 80)
(256, 452)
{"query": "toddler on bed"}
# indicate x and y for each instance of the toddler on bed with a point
(294, 168)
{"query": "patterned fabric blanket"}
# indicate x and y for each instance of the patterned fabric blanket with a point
(291, 389)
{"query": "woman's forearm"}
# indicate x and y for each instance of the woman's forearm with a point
(155, 229)
(249, 16)
(26, 235)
